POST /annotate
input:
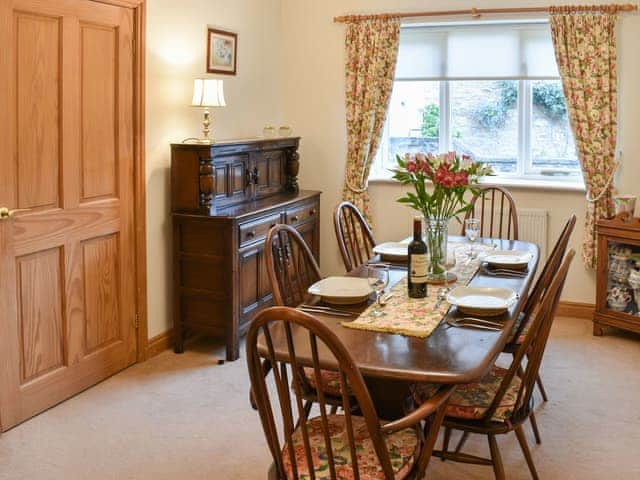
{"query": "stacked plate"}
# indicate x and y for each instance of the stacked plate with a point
(342, 290)
(482, 301)
(510, 259)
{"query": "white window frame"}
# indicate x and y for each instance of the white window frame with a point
(525, 172)
(524, 165)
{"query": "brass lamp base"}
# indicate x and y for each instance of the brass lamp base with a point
(205, 139)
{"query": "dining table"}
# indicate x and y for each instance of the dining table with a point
(391, 362)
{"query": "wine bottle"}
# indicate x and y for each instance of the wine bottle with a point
(418, 262)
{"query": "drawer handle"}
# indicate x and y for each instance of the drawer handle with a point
(295, 218)
(251, 234)
(312, 212)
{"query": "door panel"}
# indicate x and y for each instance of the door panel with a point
(67, 303)
(269, 166)
(38, 115)
(99, 83)
(41, 319)
(255, 290)
(102, 284)
(231, 179)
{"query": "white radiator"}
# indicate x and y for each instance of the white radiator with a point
(532, 227)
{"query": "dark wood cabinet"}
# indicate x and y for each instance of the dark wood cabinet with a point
(225, 198)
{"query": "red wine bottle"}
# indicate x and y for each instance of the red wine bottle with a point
(418, 262)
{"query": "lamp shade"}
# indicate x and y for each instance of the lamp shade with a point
(208, 92)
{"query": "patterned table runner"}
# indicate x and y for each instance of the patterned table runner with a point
(416, 317)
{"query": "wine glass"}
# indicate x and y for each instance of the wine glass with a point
(471, 229)
(378, 276)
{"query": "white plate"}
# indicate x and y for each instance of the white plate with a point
(491, 299)
(508, 258)
(392, 249)
(342, 290)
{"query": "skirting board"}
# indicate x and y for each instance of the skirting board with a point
(164, 341)
(159, 344)
(576, 310)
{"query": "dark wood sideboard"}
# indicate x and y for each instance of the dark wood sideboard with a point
(224, 199)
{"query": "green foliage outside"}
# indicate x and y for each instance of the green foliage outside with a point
(431, 120)
(546, 96)
(549, 97)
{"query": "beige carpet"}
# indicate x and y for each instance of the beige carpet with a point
(186, 417)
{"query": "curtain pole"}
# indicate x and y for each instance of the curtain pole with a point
(477, 12)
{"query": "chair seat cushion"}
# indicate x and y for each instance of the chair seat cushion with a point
(471, 401)
(525, 329)
(329, 381)
(402, 446)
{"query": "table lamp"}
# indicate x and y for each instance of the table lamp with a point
(207, 92)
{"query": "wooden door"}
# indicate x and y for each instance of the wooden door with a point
(67, 263)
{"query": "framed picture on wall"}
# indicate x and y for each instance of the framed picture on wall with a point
(222, 49)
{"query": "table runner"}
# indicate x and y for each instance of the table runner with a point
(417, 317)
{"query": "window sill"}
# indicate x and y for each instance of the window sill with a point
(514, 183)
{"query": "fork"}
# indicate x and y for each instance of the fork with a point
(504, 272)
(461, 323)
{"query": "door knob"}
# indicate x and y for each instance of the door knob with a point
(6, 213)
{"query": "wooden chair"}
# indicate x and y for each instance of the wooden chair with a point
(528, 315)
(354, 235)
(292, 268)
(496, 211)
(330, 446)
(538, 291)
(502, 401)
(290, 265)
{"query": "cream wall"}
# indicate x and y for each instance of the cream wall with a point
(313, 95)
(176, 49)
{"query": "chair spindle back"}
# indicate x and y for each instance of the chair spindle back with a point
(544, 280)
(290, 265)
(534, 343)
(496, 209)
(354, 235)
(313, 340)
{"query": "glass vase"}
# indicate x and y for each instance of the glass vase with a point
(435, 232)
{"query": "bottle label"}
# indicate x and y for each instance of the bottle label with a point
(418, 268)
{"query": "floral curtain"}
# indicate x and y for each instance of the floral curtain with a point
(372, 50)
(585, 47)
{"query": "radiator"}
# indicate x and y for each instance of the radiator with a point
(532, 227)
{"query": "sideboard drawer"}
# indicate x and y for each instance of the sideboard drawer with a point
(257, 229)
(302, 213)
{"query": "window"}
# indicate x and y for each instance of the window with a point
(491, 91)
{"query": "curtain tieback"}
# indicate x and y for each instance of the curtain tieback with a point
(604, 190)
(356, 189)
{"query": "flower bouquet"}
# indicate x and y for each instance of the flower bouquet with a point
(452, 176)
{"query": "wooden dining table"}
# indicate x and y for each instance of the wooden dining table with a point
(391, 362)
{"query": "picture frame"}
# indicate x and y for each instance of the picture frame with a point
(222, 51)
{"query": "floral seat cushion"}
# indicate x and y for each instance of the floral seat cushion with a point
(471, 401)
(329, 381)
(528, 322)
(402, 447)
